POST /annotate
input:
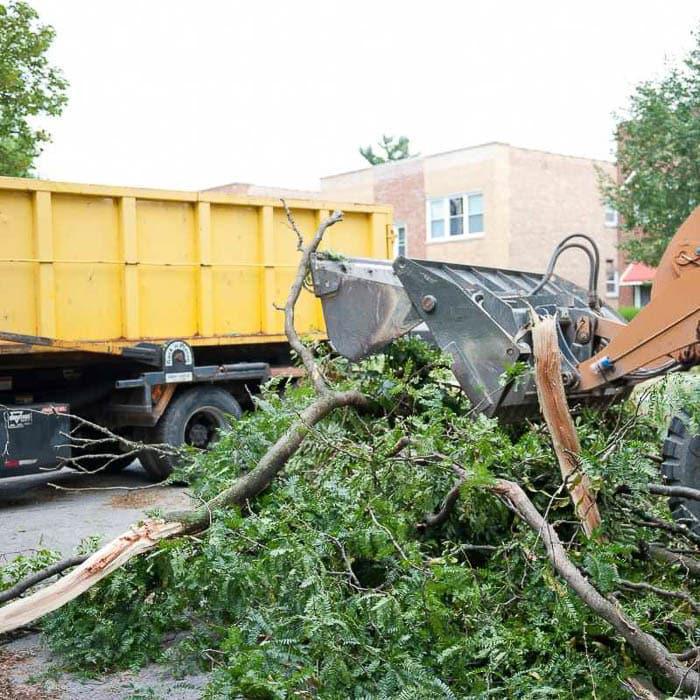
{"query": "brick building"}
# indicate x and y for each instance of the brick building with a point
(493, 205)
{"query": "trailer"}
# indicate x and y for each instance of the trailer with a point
(153, 313)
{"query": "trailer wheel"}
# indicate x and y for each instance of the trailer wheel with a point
(681, 467)
(194, 418)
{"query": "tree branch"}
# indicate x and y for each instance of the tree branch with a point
(144, 537)
(304, 353)
(448, 504)
(680, 595)
(675, 491)
(649, 649)
(39, 576)
(690, 564)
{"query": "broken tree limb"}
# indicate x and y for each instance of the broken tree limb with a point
(256, 480)
(552, 398)
(142, 538)
(675, 491)
(649, 649)
(38, 576)
(135, 541)
(663, 592)
(690, 564)
(304, 353)
(447, 506)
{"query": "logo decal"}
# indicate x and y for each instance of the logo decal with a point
(178, 352)
(17, 419)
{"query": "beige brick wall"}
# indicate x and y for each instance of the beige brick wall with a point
(404, 187)
(479, 170)
(552, 196)
(251, 190)
(532, 199)
(357, 187)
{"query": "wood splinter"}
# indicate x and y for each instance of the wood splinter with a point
(552, 398)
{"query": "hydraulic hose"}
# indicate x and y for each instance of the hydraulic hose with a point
(593, 261)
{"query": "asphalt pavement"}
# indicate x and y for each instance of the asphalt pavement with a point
(58, 510)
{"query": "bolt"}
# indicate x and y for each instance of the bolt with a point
(428, 303)
(510, 352)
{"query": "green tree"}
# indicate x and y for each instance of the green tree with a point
(395, 148)
(659, 159)
(30, 87)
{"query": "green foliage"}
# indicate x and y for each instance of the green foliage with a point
(30, 86)
(394, 149)
(23, 565)
(658, 153)
(628, 312)
(325, 587)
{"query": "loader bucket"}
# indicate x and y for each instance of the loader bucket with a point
(480, 316)
(364, 304)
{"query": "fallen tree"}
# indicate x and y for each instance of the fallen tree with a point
(339, 526)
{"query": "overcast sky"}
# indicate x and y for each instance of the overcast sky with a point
(185, 94)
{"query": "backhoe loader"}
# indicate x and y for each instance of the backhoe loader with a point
(482, 317)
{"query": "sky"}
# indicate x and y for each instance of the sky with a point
(188, 95)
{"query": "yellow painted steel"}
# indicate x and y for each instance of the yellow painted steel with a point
(112, 266)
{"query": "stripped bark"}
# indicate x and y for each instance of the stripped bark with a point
(552, 398)
(38, 576)
(649, 649)
(135, 541)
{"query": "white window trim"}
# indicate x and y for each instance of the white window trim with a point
(446, 218)
(396, 226)
(616, 293)
(610, 224)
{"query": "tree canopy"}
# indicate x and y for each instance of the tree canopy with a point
(659, 159)
(30, 87)
(395, 148)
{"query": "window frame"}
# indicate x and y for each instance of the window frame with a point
(446, 218)
(615, 280)
(615, 223)
(396, 226)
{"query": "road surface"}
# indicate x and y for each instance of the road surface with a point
(57, 511)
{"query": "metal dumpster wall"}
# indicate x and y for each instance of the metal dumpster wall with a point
(119, 265)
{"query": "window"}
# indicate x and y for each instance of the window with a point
(458, 215)
(437, 218)
(611, 218)
(400, 246)
(612, 279)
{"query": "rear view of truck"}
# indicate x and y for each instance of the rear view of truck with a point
(148, 312)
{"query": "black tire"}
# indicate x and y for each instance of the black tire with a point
(193, 417)
(681, 467)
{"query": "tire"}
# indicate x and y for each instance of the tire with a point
(681, 467)
(192, 417)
